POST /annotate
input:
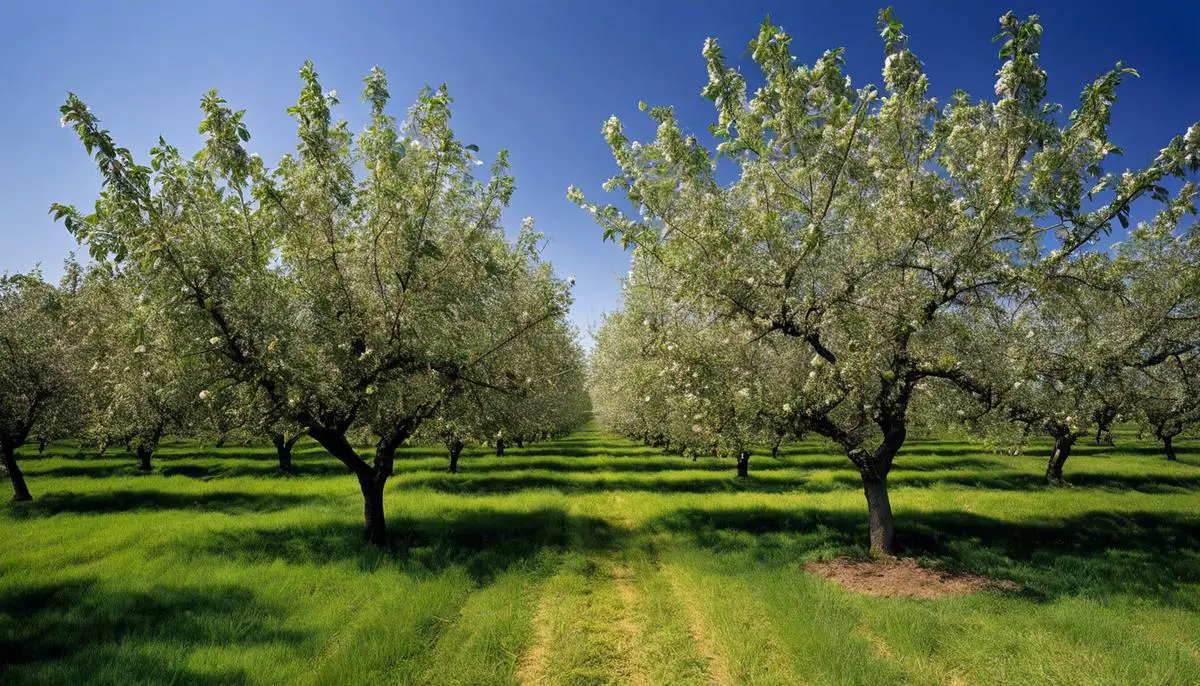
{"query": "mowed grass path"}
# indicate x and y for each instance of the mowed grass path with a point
(592, 560)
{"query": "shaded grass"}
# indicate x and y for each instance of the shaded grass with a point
(607, 561)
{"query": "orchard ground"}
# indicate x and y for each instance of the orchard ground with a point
(595, 560)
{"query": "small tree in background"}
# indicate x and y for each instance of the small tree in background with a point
(144, 379)
(38, 365)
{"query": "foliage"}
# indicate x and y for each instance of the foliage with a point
(39, 395)
(347, 302)
(872, 225)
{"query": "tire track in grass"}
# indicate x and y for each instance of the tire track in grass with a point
(940, 671)
(631, 668)
(484, 644)
(585, 628)
(632, 662)
(701, 633)
(534, 666)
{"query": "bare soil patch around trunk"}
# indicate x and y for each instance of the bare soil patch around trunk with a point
(895, 577)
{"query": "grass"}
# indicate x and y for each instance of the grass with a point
(591, 560)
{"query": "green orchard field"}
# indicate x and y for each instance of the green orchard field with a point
(593, 560)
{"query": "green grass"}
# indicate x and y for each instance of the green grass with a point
(591, 560)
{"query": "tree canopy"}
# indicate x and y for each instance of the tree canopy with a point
(874, 227)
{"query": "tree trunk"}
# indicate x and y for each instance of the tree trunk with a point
(499, 447)
(520, 441)
(42, 443)
(455, 448)
(283, 450)
(1167, 445)
(144, 453)
(20, 489)
(743, 465)
(370, 479)
(880, 525)
(374, 524)
(1058, 457)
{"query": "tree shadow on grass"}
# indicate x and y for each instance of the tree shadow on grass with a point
(1003, 480)
(80, 632)
(1090, 449)
(584, 450)
(265, 470)
(1148, 555)
(593, 465)
(110, 502)
(996, 479)
(935, 450)
(483, 542)
(467, 484)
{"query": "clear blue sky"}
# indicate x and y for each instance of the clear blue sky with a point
(538, 78)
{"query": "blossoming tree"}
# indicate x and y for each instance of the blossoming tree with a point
(317, 284)
(143, 379)
(38, 365)
(864, 222)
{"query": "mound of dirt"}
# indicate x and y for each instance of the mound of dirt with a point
(895, 577)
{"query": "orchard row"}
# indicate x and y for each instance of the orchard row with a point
(882, 261)
(303, 299)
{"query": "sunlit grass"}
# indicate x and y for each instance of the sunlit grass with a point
(595, 560)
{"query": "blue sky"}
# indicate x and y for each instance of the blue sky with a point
(538, 78)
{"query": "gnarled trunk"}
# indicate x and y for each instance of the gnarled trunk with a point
(374, 524)
(20, 489)
(371, 479)
(455, 447)
(1058, 457)
(1166, 432)
(144, 452)
(881, 527)
(873, 467)
(499, 447)
(283, 450)
(743, 465)
(520, 441)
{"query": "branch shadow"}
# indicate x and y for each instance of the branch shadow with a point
(968, 475)
(1149, 555)
(483, 542)
(996, 480)
(79, 632)
(468, 484)
(617, 464)
(110, 502)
